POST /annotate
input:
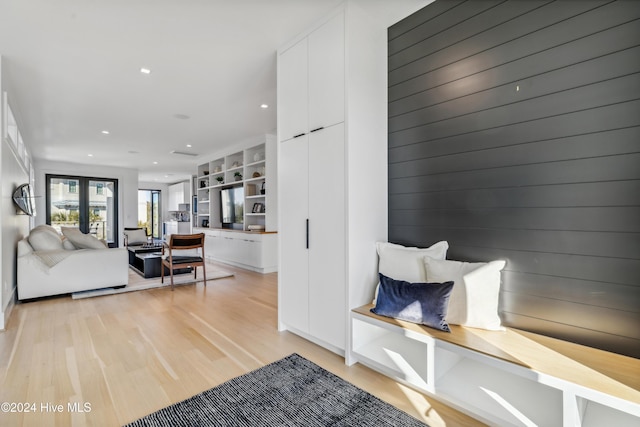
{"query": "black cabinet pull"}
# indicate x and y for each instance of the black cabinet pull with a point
(316, 130)
(307, 233)
(299, 135)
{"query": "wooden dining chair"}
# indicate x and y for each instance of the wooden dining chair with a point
(178, 242)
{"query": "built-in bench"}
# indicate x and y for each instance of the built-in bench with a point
(509, 377)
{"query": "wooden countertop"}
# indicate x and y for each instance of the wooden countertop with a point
(200, 229)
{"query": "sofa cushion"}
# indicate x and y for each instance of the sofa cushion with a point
(24, 247)
(184, 259)
(81, 240)
(66, 243)
(45, 238)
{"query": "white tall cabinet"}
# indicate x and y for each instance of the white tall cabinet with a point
(313, 239)
(331, 173)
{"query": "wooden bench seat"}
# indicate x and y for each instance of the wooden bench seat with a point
(574, 369)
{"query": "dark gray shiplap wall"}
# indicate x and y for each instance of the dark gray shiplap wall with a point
(514, 133)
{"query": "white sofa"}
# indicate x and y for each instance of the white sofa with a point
(52, 264)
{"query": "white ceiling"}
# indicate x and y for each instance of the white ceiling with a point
(73, 70)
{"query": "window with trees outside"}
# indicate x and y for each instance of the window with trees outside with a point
(91, 204)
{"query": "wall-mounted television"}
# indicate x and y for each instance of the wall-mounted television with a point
(232, 207)
(23, 198)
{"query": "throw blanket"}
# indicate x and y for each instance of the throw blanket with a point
(51, 258)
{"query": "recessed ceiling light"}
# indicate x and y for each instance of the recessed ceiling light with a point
(105, 132)
(155, 163)
(145, 70)
(90, 155)
(264, 106)
(189, 145)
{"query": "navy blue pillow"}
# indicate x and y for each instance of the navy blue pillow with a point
(423, 303)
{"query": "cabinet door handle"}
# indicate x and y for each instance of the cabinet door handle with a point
(299, 135)
(316, 130)
(307, 233)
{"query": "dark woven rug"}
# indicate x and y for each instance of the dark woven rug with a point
(290, 392)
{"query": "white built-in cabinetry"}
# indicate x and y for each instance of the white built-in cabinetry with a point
(249, 250)
(311, 82)
(253, 167)
(509, 378)
(176, 227)
(328, 209)
(313, 236)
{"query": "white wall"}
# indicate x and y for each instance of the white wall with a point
(387, 13)
(127, 188)
(366, 88)
(13, 227)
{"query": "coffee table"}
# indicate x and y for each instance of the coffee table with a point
(148, 261)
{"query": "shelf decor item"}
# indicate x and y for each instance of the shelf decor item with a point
(258, 208)
(256, 174)
(220, 180)
(237, 176)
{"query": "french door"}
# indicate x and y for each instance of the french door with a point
(149, 212)
(91, 204)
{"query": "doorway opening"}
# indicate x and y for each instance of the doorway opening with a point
(149, 212)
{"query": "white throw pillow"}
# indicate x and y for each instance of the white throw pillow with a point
(407, 263)
(476, 289)
(81, 240)
(45, 238)
(136, 237)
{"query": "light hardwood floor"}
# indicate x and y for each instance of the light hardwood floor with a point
(130, 354)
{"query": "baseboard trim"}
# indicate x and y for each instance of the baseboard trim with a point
(263, 270)
(6, 313)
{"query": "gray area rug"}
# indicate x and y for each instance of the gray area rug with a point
(140, 284)
(290, 392)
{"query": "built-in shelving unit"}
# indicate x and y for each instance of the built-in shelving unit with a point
(253, 168)
(508, 378)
